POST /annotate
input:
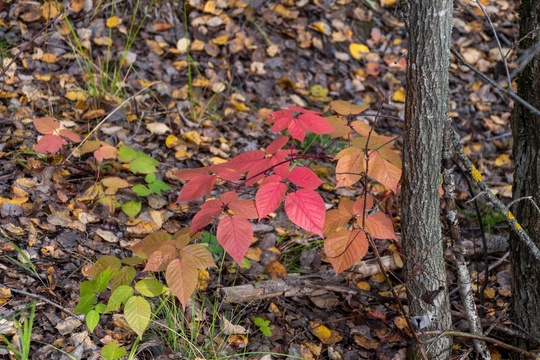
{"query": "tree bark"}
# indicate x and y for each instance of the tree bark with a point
(426, 109)
(526, 152)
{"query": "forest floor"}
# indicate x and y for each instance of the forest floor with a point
(189, 103)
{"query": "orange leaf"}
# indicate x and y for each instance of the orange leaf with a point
(383, 171)
(182, 277)
(46, 125)
(349, 167)
(344, 248)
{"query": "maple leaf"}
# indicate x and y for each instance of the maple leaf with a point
(306, 209)
(235, 235)
(345, 247)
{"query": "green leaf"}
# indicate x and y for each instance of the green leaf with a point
(143, 164)
(86, 303)
(150, 178)
(213, 244)
(150, 287)
(124, 277)
(141, 190)
(264, 326)
(158, 186)
(113, 350)
(137, 312)
(102, 280)
(100, 308)
(87, 287)
(126, 154)
(132, 208)
(119, 296)
(104, 262)
(92, 319)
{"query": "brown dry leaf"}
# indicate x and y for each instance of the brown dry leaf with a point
(158, 128)
(93, 114)
(326, 335)
(49, 10)
(33, 14)
(254, 254)
(220, 40)
(365, 342)
(503, 159)
(238, 340)
(103, 41)
(155, 47)
(76, 5)
(139, 227)
(228, 328)
(275, 270)
(49, 58)
(162, 27)
(197, 45)
(203, 279)
(5, 295)
(400, 322)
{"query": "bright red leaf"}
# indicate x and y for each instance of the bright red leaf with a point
(196, 188)
(235, 234)
(305, 177)
(277, 144)
(306, 209)
(268, 197)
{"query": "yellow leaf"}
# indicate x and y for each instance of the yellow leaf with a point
(103, 41)
(220, 40)
(324, 334)
(501, 160)
(193, 137)
(43, 77)
(74, 95)
(113, 22)
(172, 141)
(49, 58)
(388, 3)
(358, 50)
(399, 95)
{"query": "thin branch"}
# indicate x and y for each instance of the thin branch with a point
(493, 83)
(507, 214)
(41, 298)
(503, 56)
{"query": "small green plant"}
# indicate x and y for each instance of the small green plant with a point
(263, 325)
(133, 293)
(20, 348)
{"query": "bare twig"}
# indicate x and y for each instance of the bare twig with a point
(41, 298)
(503, 56)
(464, 277)
(507, 214)
(492, 82)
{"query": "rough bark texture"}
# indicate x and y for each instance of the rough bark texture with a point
(526, 132)
(430, 25)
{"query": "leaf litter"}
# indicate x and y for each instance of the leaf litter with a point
(244, 60)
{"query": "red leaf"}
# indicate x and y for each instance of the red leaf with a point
(268, 197)
(196, 188)
(235, 235)
(296, 130)
(305, 177)
(306, 209)
(277, 144)
(228, 197)
(280, 114)
(188, 174)
(46, 125)
(105, 152)
(344, 248)
(204, 217)
(244, 208)
(315, 123)
(49, 144)
(70, 135)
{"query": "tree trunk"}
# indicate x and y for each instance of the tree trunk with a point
(430, 26)
(526, 151)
